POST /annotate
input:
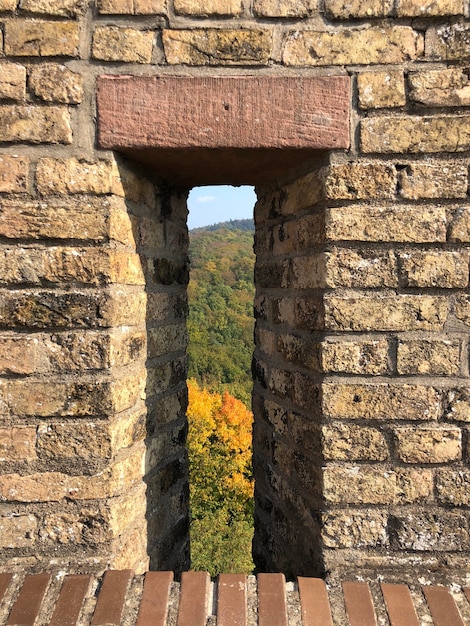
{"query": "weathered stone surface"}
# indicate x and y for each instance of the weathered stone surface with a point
(434, 269)
(35, 124)
(56, 83)
(431, 531)
(459, 229)
(453, 487)
(14, 174)
(68, 176)
(350, 356)
(308, 272)
(18, 355)
(201, 8)
(428, 444)
(75, 528)
(458, 405)
(380, 401)
(363, 268)
(380, 312)
(41, 38)
(18, 531)
(8, 5)
(433, 180)
(217, 47)
(438, 358)
(63, 8)
(132, 7)
(12, 81)
(394, 44)
(450, 42)
(357, 181)
(355, 530)
(285, 8)
(381, 90)
(351, 9)
(440, 88)
(348, 442)
(411, 8)
(113, 43)
(416, 134)
(18, 443)
(360, 484)
(386, 223)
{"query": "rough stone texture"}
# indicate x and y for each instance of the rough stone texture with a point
(62, 8)
(352, 9)
(351, 356)
(434, 269)
(12, 81)
(285, 8)
(132, 7)
(448, 42)
(111, 43)
(56, 83)
(439, 358)
(357, 181)
(428, 444)
(199, 8)
(410, 8)
(433, 180)
(35, 124)
(440, 88)
(14, 172)
(381, 90)
(41, 38)
(344, 442)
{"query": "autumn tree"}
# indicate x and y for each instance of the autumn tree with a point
(221, 482)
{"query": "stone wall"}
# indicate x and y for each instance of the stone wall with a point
(361, 366)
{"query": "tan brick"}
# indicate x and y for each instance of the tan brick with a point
(18, 531)
(69, 176)
(458, 405)
(434, 269)
(433, 180)
(411, 8)
(202, 8)
(453, 487)
(364, 268)
(129, 45)
(285, 8)
(440, 88)
(352, 9)
(294, 349)
(217, 47)
(358, 485)
(381, 312)
(308, 272)
(56, 83)
(379, 90)
(439, 358)
(348, 442)
(18, 443)
(80, 440)
(365, 529)
(14, 173)
(75, 528)
(8, 5)
(459, 229)
(12, 81)
(350, 356)
(132, 7)
(414, 486)
(41, 38)
(35, 124)
(450, 42)
(437, 530)
(352, 46)
(43, 487)
(400, 223)
(416, 134)
(380, 401)
(428, 444)
(63, 8)
(359, 181)
(18, 355)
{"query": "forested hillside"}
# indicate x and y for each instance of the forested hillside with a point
(221, 292)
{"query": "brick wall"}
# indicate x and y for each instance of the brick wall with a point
(361, 364)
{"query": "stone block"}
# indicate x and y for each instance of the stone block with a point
(14, 173)
(415, 135)
(441, 269)
(435, 358)
(428, 8)
(217, 46)
(433, 180)
(458, 405)
(453, 487)
(360, 268)
(41, 38)
(436, 530)
(299, 350)
(440, 88)
(380, 401)
(62, 8)
(73, 528)
(382, 312)
(359, 484)
(348, 442)
(357, 9)
(12, 81)
(308, 272)
(56, 83)
(449, 42)
(73, 176)
(459, 228)
(31, 124)
(128, 45)
(285, 8)
(394, 44)
(81, 441)
(200, 8)
(18, 355)
(18, 531)
(132, 7)
(164, 339)
(399, 223)
(8, 5)
(428, 444)
(414, 486)
(18, 443)
(381, 90)
(360, 181)
(354, 356)
(364, 529)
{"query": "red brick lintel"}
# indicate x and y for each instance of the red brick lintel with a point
(239, 127)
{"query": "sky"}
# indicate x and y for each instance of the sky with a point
(219, 203)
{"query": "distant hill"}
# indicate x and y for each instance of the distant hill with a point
(221, 292)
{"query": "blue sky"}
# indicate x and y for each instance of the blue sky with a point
(219, 203)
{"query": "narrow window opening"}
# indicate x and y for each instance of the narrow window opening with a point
(220, 326)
